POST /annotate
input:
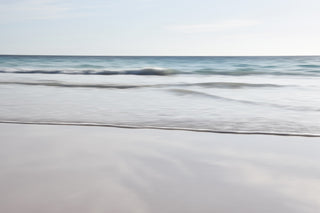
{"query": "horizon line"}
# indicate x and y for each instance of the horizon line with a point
(73, 55)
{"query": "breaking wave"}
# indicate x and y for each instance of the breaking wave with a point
(143, 71)
(164, 72)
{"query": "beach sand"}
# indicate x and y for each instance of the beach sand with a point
(69, 169)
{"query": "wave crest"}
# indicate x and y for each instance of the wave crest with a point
(163, 72)
(143, 71)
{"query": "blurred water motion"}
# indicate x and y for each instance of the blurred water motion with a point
(273, 95)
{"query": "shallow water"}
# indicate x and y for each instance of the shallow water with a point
(271, 95)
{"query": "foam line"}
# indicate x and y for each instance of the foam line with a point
(158, 128)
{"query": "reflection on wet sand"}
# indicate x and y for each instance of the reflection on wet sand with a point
(91, 169)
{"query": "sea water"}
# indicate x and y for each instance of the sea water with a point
(268, 95)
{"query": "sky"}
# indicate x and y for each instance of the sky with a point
(160, 27)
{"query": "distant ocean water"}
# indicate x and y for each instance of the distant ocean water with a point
(269, 95)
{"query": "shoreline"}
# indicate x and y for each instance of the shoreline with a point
(87, 169)
(159, 128)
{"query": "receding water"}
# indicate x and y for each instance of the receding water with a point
(271, 95)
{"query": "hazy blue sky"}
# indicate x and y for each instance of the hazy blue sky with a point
(160, 27)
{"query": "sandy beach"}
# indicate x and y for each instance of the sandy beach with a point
(96, 169)
(159, 106)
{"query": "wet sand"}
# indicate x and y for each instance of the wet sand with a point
(97, 169)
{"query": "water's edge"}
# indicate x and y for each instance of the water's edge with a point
(159, 128)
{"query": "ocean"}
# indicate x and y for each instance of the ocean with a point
(251, 95)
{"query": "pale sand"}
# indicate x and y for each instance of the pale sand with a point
(66, 169)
